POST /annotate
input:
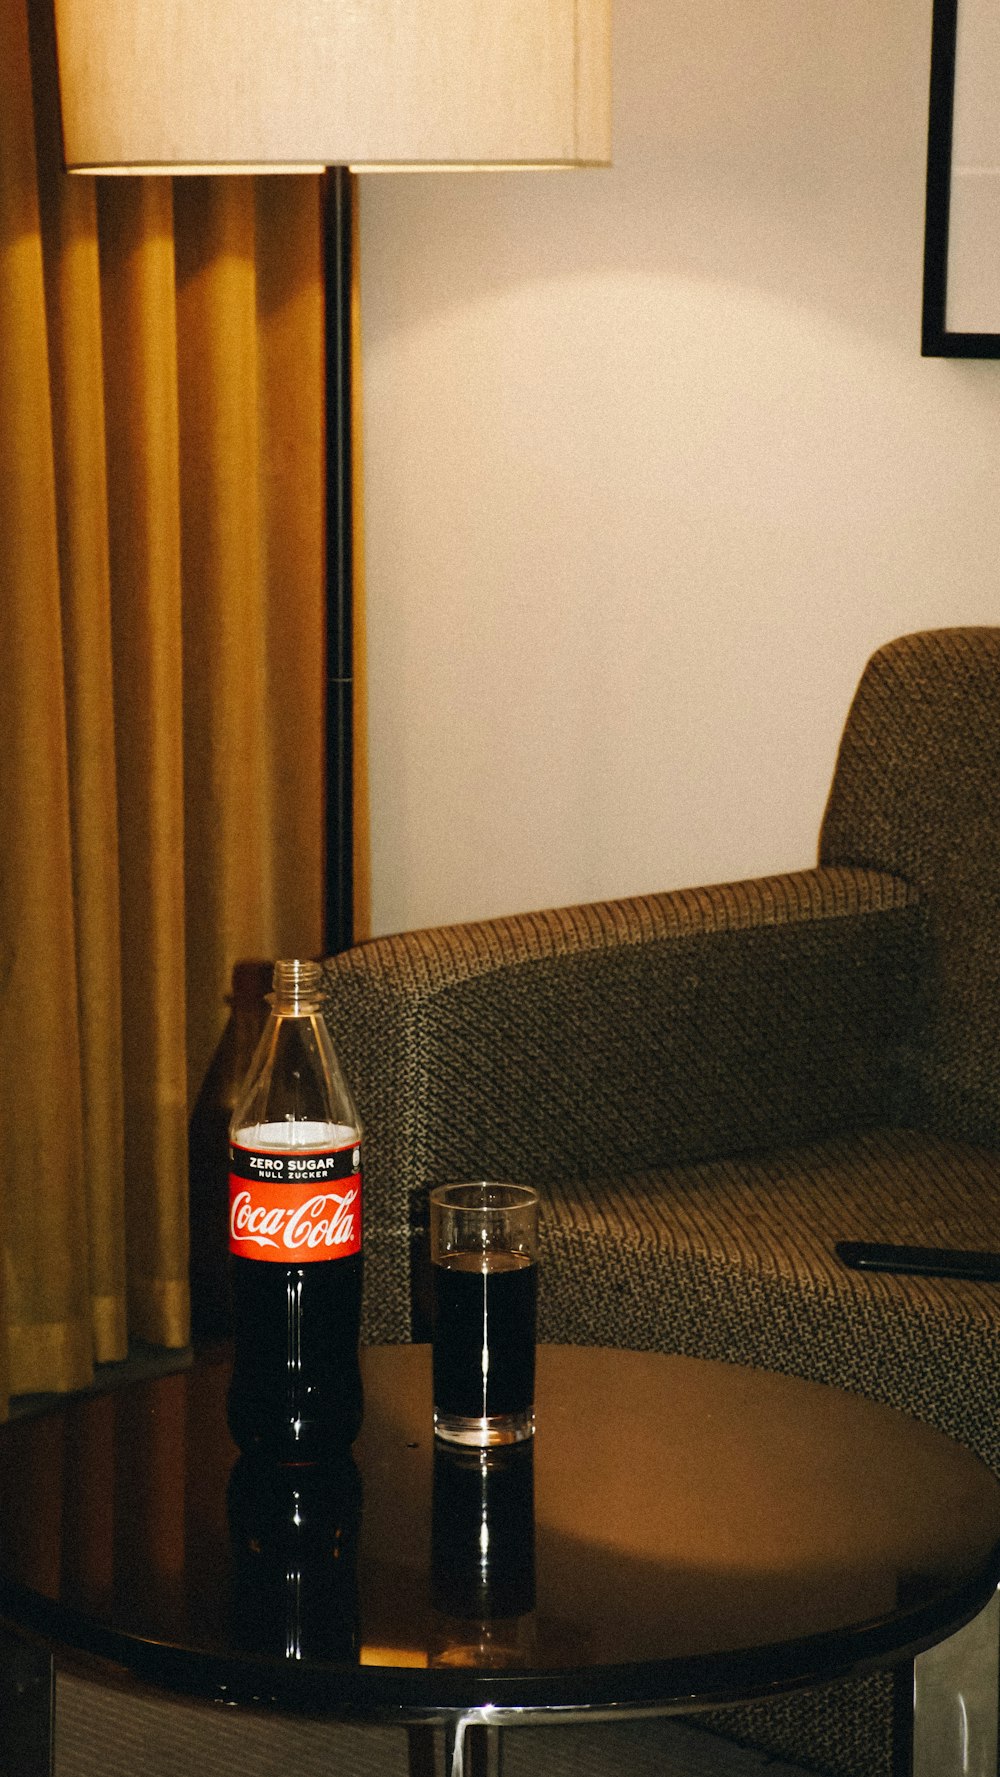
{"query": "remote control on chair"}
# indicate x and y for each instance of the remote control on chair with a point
(920, 1261)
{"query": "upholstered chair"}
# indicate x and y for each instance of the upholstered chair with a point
(712, 1087)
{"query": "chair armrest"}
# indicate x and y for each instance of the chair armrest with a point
(628, 1035)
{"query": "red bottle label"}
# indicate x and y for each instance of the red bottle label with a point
(295, 1206)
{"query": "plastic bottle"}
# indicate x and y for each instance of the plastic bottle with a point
(295, 1236)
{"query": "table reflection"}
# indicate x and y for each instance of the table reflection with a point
(483, 1557)
(294, 1539)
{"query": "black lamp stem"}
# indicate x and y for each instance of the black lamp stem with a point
(339, 883)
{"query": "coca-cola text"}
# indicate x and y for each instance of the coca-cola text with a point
(308, 1230)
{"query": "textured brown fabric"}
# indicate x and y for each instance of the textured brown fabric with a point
(622, 1037)
(733, 1259)
(838, 1730)
(917, 792)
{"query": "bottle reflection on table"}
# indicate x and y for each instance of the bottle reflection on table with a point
(483, 1556)
(294, 1536)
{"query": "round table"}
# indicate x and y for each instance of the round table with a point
(680, 1534)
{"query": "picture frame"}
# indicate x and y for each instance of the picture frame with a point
(961, 293)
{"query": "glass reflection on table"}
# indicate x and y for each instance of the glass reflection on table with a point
(483, 1557)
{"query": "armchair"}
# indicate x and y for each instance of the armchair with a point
(713, 1086)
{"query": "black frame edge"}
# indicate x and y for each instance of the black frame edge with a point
(936, 341)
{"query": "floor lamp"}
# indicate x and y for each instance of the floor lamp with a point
(185, 86)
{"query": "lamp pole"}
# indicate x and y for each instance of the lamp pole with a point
(339, 810)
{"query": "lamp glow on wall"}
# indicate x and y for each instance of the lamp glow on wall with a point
(252, 86)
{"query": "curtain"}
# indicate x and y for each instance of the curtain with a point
(161, 694)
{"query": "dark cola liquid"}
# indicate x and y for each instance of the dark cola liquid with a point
(484, 1334)
(295, 1394)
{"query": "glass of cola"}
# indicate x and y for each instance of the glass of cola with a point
(484, 1264)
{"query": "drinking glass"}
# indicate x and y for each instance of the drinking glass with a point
(484, 1264)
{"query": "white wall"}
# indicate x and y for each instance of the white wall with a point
(653, 463)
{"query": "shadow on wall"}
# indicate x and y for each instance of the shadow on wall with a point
(774, 145)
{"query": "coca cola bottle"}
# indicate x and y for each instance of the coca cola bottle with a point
(295, 1236)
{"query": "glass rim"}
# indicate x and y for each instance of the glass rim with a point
(480, 1194)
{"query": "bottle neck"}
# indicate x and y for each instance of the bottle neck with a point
(297, 988)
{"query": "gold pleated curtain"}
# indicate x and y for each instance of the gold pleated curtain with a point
(161, 693)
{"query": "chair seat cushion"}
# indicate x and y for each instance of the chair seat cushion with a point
(734, 1259)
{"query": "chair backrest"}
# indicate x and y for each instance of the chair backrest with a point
(916, 792)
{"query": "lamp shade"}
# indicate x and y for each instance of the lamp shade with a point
(210, 85)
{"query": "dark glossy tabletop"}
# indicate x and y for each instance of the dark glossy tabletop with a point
(699, 1532)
